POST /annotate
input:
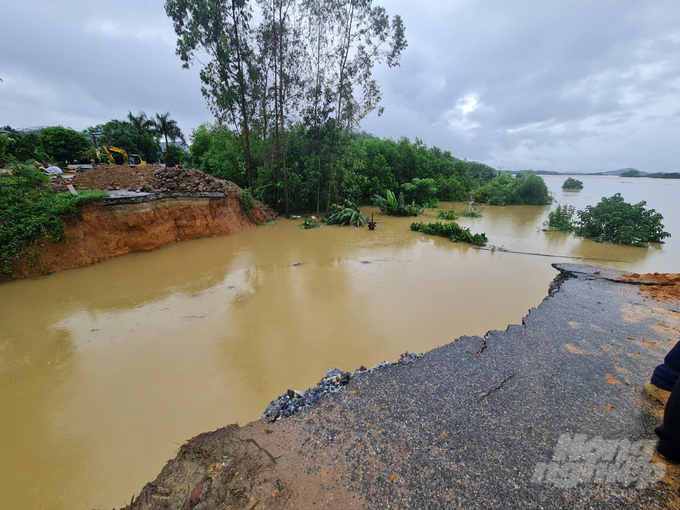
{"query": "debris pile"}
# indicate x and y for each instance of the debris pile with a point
(107, 177)
(187, 180)
(293, 401)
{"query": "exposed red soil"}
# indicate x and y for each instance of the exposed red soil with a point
(101, 232)
(668, 290)
(254, 467)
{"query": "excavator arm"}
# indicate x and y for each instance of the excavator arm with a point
(115, 150)
(132, 160)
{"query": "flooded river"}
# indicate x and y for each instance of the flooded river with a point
(106, 370)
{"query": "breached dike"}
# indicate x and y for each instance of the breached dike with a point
(475, 423)
(117, 226)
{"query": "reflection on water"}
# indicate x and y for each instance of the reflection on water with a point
(105, 370)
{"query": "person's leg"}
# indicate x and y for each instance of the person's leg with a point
(669, 432)
(665, 376)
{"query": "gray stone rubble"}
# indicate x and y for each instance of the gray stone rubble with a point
(294, 401)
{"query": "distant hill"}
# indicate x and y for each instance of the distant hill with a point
(621, 171)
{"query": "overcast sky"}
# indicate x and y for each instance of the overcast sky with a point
(550, 85)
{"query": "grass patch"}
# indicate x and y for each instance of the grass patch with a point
(27, 214)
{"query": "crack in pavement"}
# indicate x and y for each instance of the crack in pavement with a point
(493, 390)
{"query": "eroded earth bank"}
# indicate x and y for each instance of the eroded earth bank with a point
(148, 208)
(547, 414)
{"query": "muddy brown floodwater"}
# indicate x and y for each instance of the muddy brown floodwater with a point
(106, 370)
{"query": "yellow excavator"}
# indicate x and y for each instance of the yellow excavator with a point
(132, 160)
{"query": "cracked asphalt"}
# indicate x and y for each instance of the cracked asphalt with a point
(466, 425)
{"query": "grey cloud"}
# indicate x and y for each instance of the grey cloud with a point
(565, 85)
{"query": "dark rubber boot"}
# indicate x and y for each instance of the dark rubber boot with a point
(669, 432)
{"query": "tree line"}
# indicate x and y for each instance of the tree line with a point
(138, 134)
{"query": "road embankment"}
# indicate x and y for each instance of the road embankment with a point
(549, 413)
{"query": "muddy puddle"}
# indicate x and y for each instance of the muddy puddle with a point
(106, 370)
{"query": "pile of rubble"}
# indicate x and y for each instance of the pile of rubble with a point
(294, 401)
(187, 180)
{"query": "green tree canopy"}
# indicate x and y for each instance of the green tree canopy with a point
(64, 145)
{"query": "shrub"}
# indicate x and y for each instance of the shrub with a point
(617, 221)
(62, 144)
(176, 156)
(349, 215)
(572, 183)
(472, 212)
(309, 224)
(395, 206)
(451, 230)
(419, 191)
(525, 189)
(561, 218)
(432, 203)
(449, 214)
(27, 214)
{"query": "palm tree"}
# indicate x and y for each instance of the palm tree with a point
(167, 127)
(141, 122)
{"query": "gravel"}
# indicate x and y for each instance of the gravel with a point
(294, 401)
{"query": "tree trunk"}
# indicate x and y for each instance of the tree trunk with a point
(242, 96)
(167, 148)
(281, 106)
(318, 187)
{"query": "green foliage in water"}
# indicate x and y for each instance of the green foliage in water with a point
(572, 183)
(448, 214)
(420, 191)
(248, 203)
(562, 218)
(525, 189)
(309, 224)
(325, 168)
(27, 214)
(612, 220)
(616, 221)
(472, 212)
(452, 230)
(390, 204)
(347, 215)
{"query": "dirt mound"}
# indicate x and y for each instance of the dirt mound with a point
(667, 290)
(112, 177)
(216, 470)
(188, 180)
(151, 178)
